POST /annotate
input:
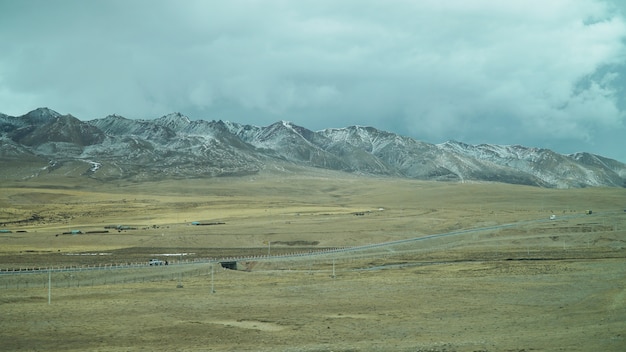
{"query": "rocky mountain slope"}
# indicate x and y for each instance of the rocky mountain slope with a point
(116, 147)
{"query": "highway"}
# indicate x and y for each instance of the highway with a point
(313, 253)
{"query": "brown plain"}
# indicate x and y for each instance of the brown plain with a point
(542, 285)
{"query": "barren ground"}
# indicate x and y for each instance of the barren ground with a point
(539, 286)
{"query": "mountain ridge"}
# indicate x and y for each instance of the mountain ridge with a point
(175, 146)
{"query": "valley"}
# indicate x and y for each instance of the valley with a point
(537, 285)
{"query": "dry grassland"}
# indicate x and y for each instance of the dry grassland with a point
(540, 286)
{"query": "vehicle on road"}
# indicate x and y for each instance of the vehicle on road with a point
(156, 262)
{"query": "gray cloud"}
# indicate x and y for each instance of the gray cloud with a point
(537, 73)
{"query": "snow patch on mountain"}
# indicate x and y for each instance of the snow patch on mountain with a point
(176, 146)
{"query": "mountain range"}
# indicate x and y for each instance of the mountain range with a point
(44, 142)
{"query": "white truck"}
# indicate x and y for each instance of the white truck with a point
(156, 262)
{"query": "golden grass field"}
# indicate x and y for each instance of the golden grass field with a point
(546, 285)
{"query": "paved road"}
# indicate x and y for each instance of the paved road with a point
(310, 253)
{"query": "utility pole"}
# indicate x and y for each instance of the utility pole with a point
(212, 285)
(49, 284)
(180, 277)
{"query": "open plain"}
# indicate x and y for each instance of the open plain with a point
(503, 277)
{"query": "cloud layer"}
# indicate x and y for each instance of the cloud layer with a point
(539, 73)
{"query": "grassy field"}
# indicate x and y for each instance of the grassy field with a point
(541, 285)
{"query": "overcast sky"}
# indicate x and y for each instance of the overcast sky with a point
(540, 73)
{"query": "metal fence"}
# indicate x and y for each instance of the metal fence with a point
(92, 276)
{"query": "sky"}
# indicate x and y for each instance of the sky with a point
(546, 74)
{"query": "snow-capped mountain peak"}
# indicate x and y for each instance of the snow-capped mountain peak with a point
(175, 121)
(41, 115)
